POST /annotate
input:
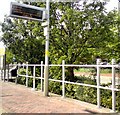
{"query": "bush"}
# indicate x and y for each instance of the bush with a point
(83, 93)
(55, 87)
(22, 80)
(70, 90)
(87, 94)
(106, 98)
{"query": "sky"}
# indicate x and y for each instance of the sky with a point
(5, 8)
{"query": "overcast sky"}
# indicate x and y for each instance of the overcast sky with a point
(5, 7)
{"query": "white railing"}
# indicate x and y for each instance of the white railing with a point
(63, 81)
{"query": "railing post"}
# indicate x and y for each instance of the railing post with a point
(17, 74)
(4, 66)
(23, 66)
(98, 83)
(8, 74)
(27, 74)
(33, 78)
(1, 73)
(63, 78)
(113, 86)
(42, 76)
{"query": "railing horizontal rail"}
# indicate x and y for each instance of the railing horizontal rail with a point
(98, 86)
(21, 75)
(71, 65)
(82, 84)
(75, 83)
(55, 80)
(115, 89)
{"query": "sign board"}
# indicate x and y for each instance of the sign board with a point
(2, 51)
(24, 11)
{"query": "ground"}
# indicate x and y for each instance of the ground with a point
(20, 99)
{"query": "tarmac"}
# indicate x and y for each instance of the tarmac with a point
(20, 99)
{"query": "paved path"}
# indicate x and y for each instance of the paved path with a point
(19, 99)
(104, 78)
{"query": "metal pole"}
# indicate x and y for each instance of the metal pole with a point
(46, 70)
(27, 74)
(98, 83)
(63, 78)
(4, 66)
(33, 78)
(42, 76)
(17, 73)
(8, 73)
(1, 67)
(113, 86)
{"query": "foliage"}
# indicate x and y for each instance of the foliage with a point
(22, 71)
(83, 39)
(82, 93)
(80, 39)
(106, 100)
(21, 79)
(76, 40)
(9, 56)
(87, 94)
(37, 71)
(55, 87)
(21, 39)
(118, 100)
(88, 70)
(39, 86)
(78, 35)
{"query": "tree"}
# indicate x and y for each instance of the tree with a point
(9, 56)
(24, 39)
(79, 35)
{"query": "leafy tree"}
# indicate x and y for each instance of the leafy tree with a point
(24, 39)
(9, 56)
(80, 34)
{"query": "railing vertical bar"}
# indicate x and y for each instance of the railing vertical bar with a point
(16, 80)
(98, 67)
(23, 66)
(4, 66)
(8, 74)
(34, 78)
(27, 74)
(1, 74)
(42, 76)
(63, 78)
(113, 86)
(98, 83)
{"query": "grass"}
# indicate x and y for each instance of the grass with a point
(84, 70)
(103, 70)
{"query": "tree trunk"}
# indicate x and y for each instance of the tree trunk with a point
(70, 74)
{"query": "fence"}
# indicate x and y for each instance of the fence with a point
(113, 88)
(5, 71)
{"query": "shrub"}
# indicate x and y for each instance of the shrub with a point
(55, 87)
(83, 93)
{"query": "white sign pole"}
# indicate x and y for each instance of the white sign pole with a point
(46, 69)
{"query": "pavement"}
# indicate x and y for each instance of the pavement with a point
(20, 99)
(104, 78)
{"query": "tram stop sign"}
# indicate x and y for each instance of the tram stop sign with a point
(30, 12)
(2, 51)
